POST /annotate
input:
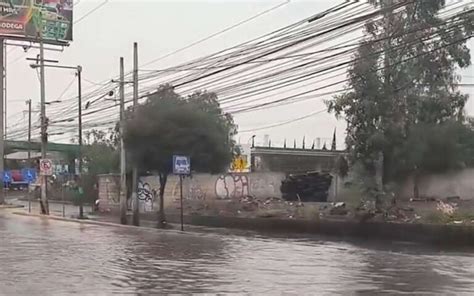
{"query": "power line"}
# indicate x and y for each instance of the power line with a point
(217, 33)
(244, 54)
(284, 122)
(91, 11)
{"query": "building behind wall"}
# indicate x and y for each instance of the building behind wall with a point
(294, 161)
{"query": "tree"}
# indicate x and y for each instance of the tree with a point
(434, 148)
(403, 73)
(101, 152)
(168, 124)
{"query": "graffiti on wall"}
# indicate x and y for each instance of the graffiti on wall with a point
(196, 192)
(192, 190)
(146, 195)
(232, 186)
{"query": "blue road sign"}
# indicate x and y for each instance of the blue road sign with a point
(181, 165)
(7, 177)
(29, 175)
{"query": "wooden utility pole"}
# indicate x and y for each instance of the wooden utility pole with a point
(135, 202)
(123, 169)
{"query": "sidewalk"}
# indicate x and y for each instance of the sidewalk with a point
(55, 208)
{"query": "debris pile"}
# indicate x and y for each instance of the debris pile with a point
(310, 187)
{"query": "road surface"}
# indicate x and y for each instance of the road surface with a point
(47, 257)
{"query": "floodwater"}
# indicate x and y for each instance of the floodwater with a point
(45, 257)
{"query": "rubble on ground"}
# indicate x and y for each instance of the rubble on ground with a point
(309, 187)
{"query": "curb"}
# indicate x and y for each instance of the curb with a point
(10, 207)
(53, 201)
(81, 221)
(92, 222)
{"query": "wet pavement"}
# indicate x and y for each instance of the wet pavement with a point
(47, 257)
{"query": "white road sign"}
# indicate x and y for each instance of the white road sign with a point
(46, 167)
(181, 165)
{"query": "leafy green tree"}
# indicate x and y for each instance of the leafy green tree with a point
(100, 151)
(403, 73)
(168, 124)
(434, 148)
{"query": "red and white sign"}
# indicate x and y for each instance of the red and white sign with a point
(46, 167)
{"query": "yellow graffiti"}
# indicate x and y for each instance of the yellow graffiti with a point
(239, 164)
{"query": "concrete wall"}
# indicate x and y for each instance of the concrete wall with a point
(459, 183)
(209, 187)
(109, 192)
(197, 187)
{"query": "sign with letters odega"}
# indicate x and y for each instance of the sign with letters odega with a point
(27, 18)
(181, 165)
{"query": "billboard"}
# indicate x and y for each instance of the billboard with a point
(25, 18)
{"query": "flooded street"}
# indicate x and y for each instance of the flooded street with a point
(46, 257)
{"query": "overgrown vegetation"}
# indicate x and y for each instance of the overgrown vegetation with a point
(403, 108)
(168, 124)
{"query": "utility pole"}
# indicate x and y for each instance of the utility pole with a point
(2, 140)
(28, 102)
(79, 154)
(123, 172)
(135, 203)
(44, 134)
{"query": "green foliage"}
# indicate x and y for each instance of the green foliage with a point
(100, 152)
(168, 124)
(435, 148)
(406, 80)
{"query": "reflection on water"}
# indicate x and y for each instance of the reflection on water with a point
(42, 257)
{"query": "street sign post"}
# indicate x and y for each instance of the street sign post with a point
(181, 167)
(46, 167)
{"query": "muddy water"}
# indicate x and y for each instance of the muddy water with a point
(41, 257)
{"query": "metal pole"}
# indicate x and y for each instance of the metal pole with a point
(44, 135)
(5, 88)
(123, 172)
(2, 140)
(29, 131)
(181, 199)
(135, 202)
(62, 199)
(79, 154)
(29, 149)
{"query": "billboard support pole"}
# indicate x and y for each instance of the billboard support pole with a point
(5, 89)
(44, 135)
(2, 140)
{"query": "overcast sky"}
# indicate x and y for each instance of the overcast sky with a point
(161, 27)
